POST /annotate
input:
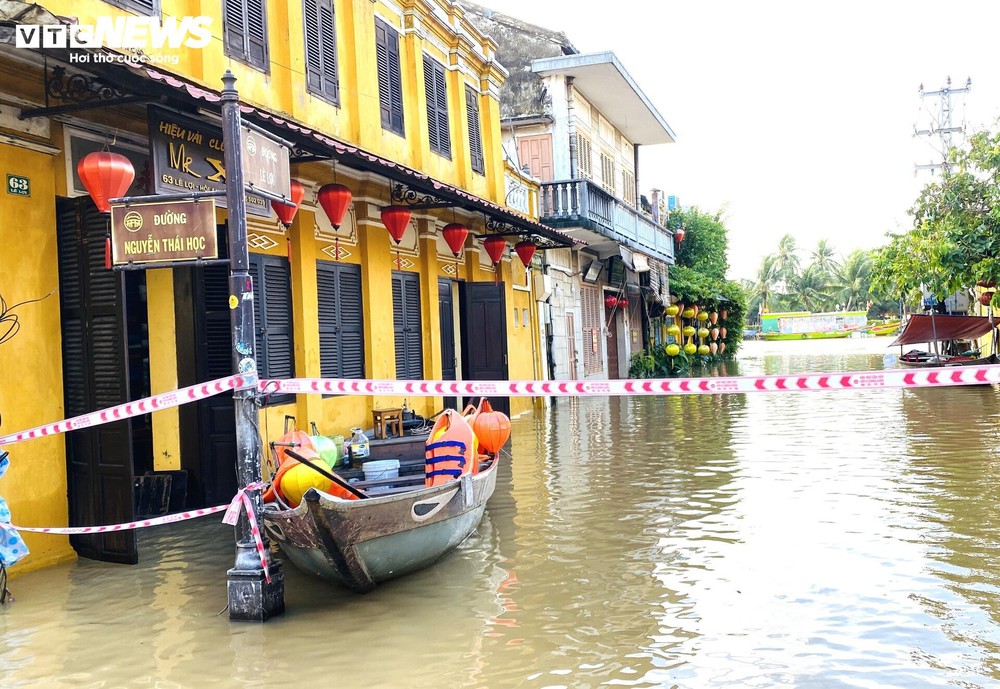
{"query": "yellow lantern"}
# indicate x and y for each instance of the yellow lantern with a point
(703, 333)
(703, 349)
(687, 313)
(673, 350)
(689, 348)
(702, 316)
(674, 330)
(688, 330)
(672, 310)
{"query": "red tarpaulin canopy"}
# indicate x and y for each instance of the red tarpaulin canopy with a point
(919, 328)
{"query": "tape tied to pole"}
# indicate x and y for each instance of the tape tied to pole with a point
(232, 517)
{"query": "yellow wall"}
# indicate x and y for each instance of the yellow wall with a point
(31, 359)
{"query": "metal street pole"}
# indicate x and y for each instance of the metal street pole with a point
(251, 596)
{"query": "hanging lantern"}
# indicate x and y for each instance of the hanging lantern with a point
(679, 233)
(715, 334)
(525, 251)
(713, 347)
(702, 333)
(723, 314)
(492, 428)
(722, 347)
(335, 200)
(714, 317)
(495, 246)
(985, 298)
(687, 313)
(395, 219)
(702, 316)
(455, 234)
(672, 349)
(106, 176)
(723, 332)
(611, 301)
(623, 302)
(286, 213)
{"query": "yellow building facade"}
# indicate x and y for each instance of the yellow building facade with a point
(396, 101)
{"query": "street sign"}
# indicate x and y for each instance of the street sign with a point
(265, 163)
(18, 185)
(163, 231)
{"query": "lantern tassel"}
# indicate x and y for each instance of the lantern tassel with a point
(288, 248)
(107, 250)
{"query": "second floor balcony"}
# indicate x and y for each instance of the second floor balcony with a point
(601, 218)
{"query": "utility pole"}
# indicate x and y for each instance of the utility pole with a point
(252, 594)
(941, 124)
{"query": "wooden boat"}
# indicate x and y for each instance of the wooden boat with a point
(833, 334)
(885, 329)
(398, 526)
(950, 340)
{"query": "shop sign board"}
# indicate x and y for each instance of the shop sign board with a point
(163, 232)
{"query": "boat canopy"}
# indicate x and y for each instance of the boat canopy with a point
(925, 328)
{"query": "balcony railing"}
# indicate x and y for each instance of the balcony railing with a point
(521, 190)
(581, 203)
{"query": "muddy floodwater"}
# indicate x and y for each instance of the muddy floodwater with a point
(817, 539)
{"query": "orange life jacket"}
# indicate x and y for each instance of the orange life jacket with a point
(449, 450)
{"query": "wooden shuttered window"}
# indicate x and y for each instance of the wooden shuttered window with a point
(593, 334)
(475, 131)
(341, 329)
(245, 25)
(608, 173)
(436, 90)
(272, 310)
(390, 80)
(406, 326)
(321, 49)
(585, 156)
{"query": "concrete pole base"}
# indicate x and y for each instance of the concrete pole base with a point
(252, 598)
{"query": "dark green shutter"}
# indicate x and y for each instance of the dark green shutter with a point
(234, 24)
(321, 49)
(272, 301)
(341, 330)
(390, 80)
(475, 131)
(408, 334)
(436, 91)
(257, 33)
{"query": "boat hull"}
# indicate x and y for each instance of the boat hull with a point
(930, 361)
(833, 334)
(360, 543)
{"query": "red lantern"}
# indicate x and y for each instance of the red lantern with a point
(985, 298)
(679, 233)
(106, 176)
(495, 246)
(623, 302)
(611, 301)
(395, 219)
(492, 428)
(525, 251)
(455, 234)
(335, 199)
(286, 213)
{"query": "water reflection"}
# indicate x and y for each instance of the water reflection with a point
(822, 539)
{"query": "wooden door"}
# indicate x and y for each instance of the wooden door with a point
(95, 376)
(449, 363)
(571, 345)
(612, 318)
(536, 153)
(484, 335)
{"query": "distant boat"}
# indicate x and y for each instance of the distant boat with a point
(885, 329)
(805, 325)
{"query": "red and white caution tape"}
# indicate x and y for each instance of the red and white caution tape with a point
(127, 526)
(233, 515)
(146, 405)
(895, 378)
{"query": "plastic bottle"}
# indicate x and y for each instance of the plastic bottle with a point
(359, 444)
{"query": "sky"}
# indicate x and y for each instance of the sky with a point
(792, 117)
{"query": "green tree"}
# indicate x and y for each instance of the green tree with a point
(854, 281)
(787, 259)
(811, 289)
(762, 289)
(824, 257)
(955, 240)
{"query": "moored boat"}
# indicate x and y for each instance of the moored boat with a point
(359, 534)
(951, 340)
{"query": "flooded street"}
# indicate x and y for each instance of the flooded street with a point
(818, 539)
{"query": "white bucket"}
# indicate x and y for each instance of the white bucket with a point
(383, 468)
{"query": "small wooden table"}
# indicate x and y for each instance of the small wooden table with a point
(386, 422)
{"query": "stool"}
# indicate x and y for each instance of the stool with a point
(387, 422)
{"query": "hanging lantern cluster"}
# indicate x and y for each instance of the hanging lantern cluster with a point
(694, 331)
(610, 301)
(105, 176)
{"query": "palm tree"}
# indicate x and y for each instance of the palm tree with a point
(787, 259)
(853, 281)
(762, 289)
(812, 289)
(823, 257)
